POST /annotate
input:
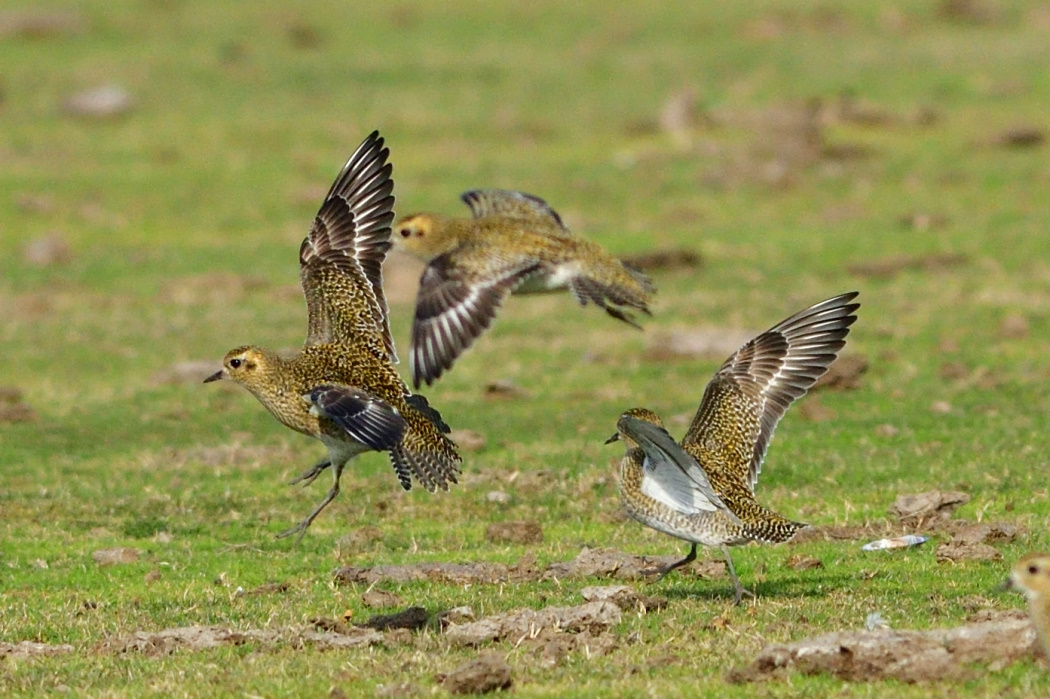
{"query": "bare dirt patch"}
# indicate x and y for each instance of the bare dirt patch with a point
(111, 557)
(623, 597)
(504, 389)
(891, 266)
(606, 563)
(379, 599)
(13, 406)
(194, 638)
(709, 343)
(514, 533)
(966, 532)
(1020, 137)
(468, 440)
(47, 251)
(954, 551)
(594, 617)
(664, 260)
(28, 649)
(210, 289)
(41, 24)
(908, 656)
(844, 373)
(484, 674)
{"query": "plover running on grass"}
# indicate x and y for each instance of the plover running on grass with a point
(515, 243)
(1031, 576)
(342, 387)
(702, 490)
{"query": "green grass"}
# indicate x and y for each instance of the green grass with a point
(183, 218)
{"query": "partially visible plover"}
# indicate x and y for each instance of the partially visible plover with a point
(702, 490)
(515, 243)
(1031, 576)
(342, 387)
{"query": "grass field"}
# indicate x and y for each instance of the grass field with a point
(890, 148)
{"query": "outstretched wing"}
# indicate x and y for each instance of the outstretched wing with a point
(669, 474)
(517, 205)
(457, 301)
(754, 388)
(366, 418)
(341, 260)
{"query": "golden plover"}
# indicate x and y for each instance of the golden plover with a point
(342, 387)
(515, 243)
(1031, 576)
(702, 491)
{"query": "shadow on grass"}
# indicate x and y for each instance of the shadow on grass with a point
(818, 584)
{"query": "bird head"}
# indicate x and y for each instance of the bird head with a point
(424, 235)
(245, 365)
(1031, 575)
(643, 414)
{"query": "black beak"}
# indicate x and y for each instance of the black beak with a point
(614, 438)
(1008, 584)
(214, 377)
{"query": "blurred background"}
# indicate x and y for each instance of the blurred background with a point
(161, 160)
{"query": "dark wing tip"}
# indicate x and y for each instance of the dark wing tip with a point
(365, 418)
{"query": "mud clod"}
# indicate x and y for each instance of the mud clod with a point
(594, 617)
(413, 619)
(907, 656)
(487, 673)
(953, 551)
(27, 649)
(623, 597)
(920, 508)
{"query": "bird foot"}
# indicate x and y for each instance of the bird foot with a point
(739, 595)
(311, 474)
(299, 529)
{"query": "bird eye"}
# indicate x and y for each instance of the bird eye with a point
(234, 363)
(1033, 569)
(405, 232)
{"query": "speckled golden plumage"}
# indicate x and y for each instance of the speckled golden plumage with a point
(702, 490)
(1031, 576)
(515, 243)
(342, 387)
